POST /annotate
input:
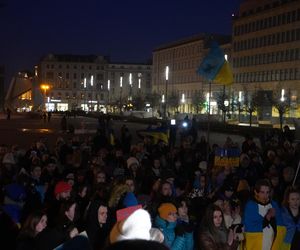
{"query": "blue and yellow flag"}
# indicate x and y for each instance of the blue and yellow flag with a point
(214, 67)
(157, 134)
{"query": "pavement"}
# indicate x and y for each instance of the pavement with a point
(23, 130)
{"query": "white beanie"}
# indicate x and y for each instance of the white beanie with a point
(132, 160)
(136, 226)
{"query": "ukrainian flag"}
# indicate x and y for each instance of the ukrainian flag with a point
(157, 134)
(215, 67)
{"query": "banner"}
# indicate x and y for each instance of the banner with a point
(227, 157)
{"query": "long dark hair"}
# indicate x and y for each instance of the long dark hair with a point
(30, 223)
(289, 190)
(207, 224)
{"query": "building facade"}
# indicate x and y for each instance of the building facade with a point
(184, 83)
(266, 52)
(2, 88)
(89, 82)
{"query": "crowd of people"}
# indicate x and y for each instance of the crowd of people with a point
(96, 194)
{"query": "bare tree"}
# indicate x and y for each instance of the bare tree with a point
(138, 102)
(173, 101)
(198, 101)
(251, 103)
(221, 97)
(281, 101)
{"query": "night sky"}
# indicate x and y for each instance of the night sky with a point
(127, 31)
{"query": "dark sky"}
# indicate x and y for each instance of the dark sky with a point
(126, 30)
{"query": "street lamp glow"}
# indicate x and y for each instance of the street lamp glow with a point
(84, 82)
(92, 80)
(167, 73)
(183, 98)
(282, 95)
(130, 79)
(226, 57)
(163, 98)
(207, 97)
(121, 81)
(240, 96)
(108, 84)
(45, 87)
(139, 83)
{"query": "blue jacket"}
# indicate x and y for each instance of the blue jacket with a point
(290, 225)
(174, 242)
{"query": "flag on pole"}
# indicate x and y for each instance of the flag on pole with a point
(215, 67)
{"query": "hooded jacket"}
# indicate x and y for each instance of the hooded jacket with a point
(174, 242)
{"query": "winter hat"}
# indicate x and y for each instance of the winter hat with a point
(203, 165)
(166, 208)
(130, 200)
(9, 159)
(15, 192)
(62, 187)
(136, 226)
(131, 161)
(243, 185)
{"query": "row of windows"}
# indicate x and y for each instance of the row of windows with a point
(59, 95)
(271, 75)
(273, 39)
(50, 75)
(266, 23)
(90, 67)
(272, 57)
(130, 67)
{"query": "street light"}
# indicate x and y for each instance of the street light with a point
(121, 87)
(183, 101)
(108, 90)
(85, 99)
(45, 87)
(166, 90)
(282, 95)
(130, 87)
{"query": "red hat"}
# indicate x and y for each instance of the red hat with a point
(61, 187)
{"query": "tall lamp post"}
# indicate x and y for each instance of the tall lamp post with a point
(92, 84)
(108, 90)
(121, 87)
(140, 82)
(166, 92)
(85, 99)
(45, 87)
(130, 87)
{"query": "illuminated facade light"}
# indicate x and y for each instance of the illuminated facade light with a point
(140, 83)
(92, 80)
(282, 95)
(121, 81)
(240, 96)
(130, 79)
(108, 84)
(167, 73)
(183, 98)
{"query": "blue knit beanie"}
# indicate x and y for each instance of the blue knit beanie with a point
(130, 200)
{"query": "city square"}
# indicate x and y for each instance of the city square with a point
(163, 125)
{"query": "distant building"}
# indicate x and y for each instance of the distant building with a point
(1, 88)
(22, 94)
(266, 52)
(89, 82)
(183, 58)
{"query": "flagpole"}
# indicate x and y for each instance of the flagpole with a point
(296, 175)
(208, 122)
